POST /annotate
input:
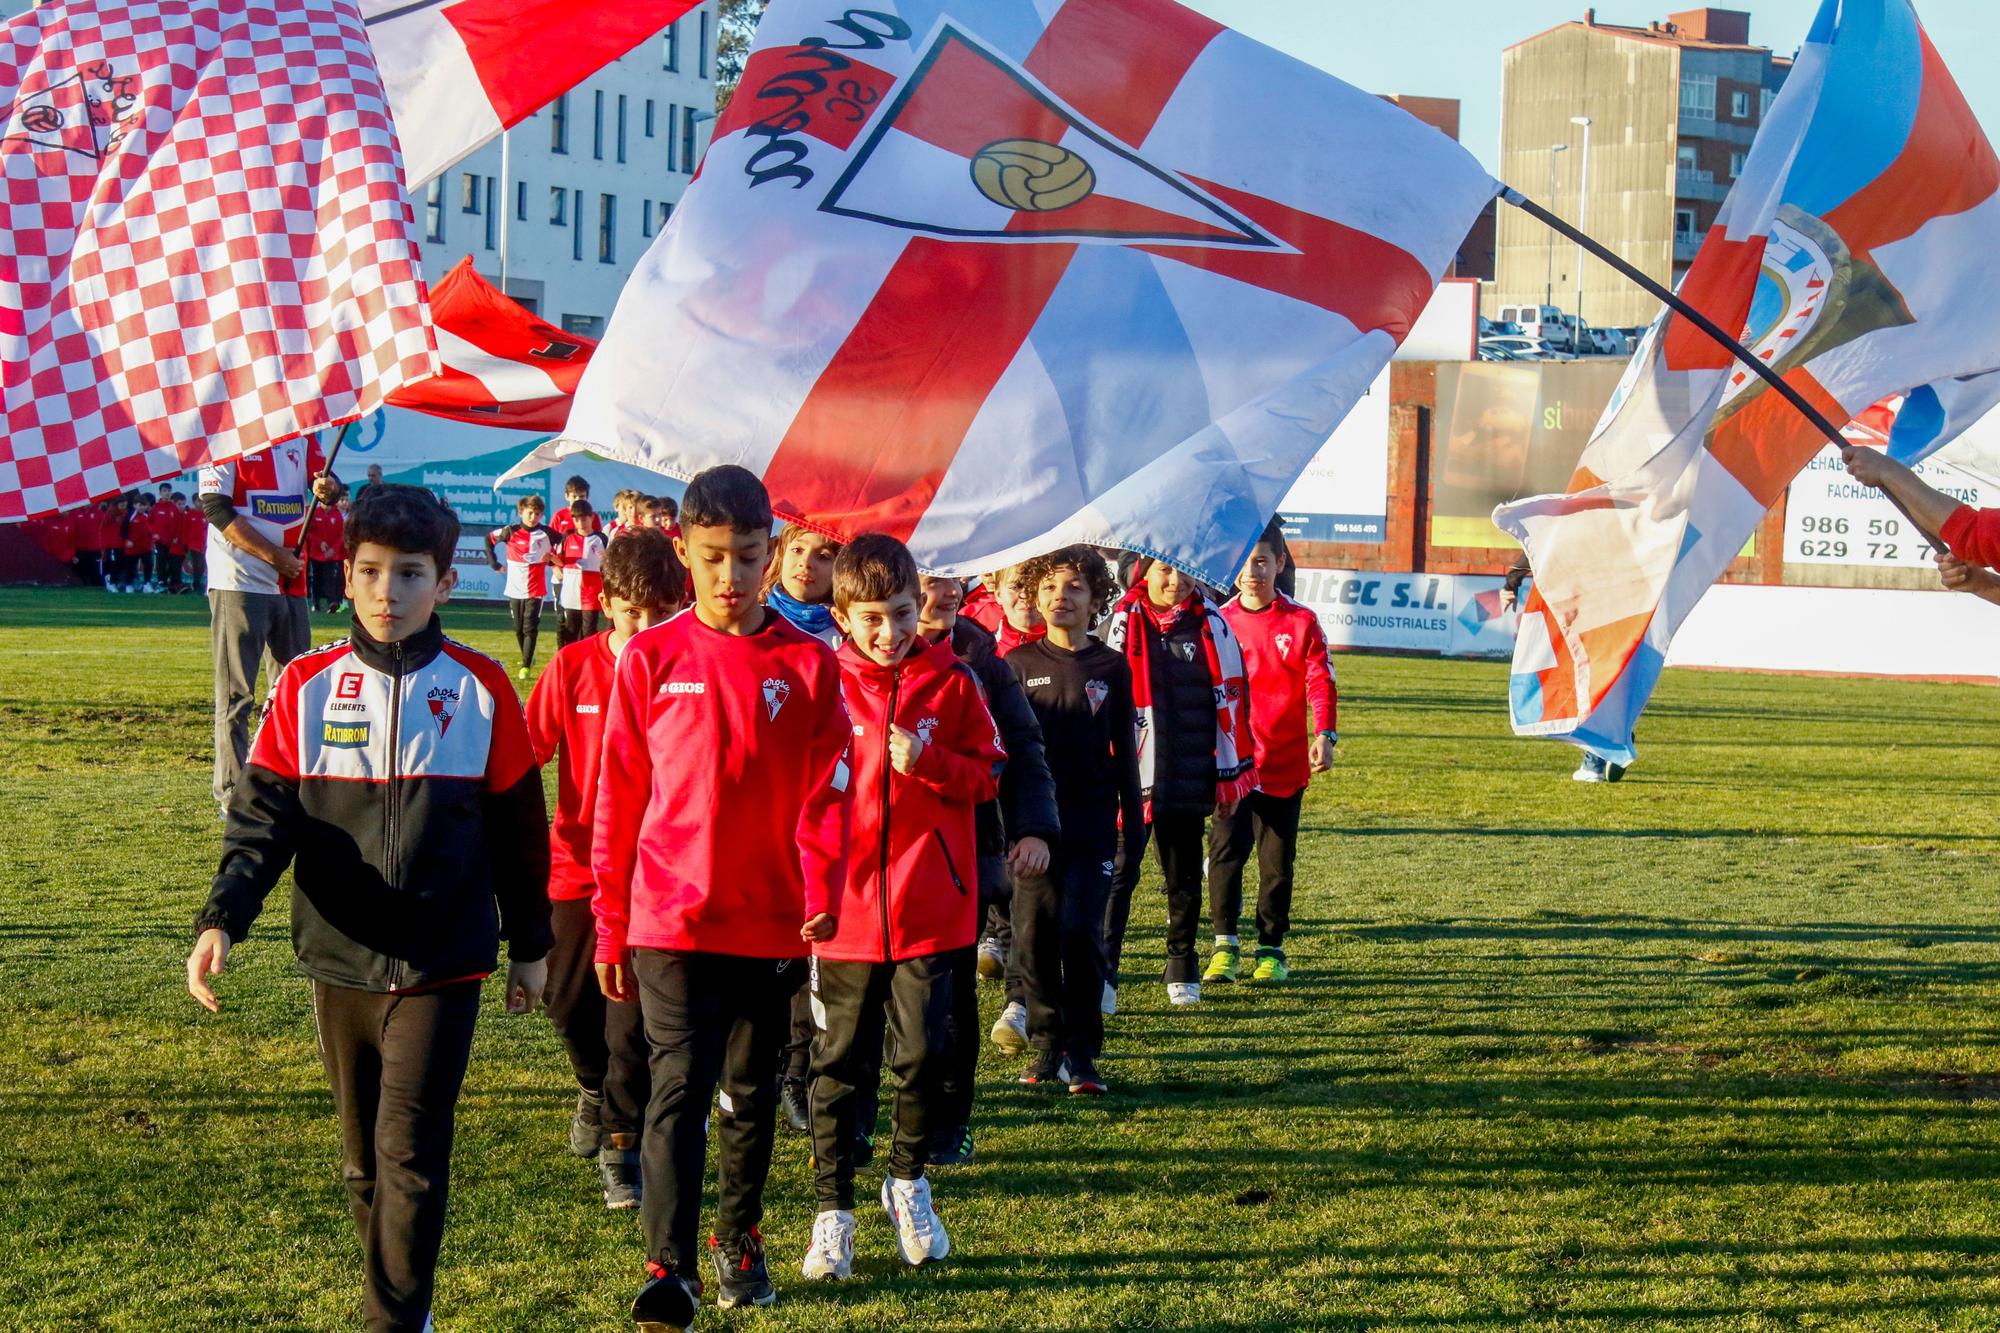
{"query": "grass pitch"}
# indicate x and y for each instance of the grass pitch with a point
(1713, 1048)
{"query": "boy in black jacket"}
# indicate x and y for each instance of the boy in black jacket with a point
(393, 771)
(1081, 692)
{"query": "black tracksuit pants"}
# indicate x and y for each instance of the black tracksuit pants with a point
(1180, 842)
(605, 1042)
(574, 625)
(1059, 937)
(1270, 825)
(714, 1022)
(913, 999)
(527, 625)
(396, 1063)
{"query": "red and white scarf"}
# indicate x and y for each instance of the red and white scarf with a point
(1235, 762)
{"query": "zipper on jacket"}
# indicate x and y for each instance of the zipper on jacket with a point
(888, 769)
(392, 856)
(950, 868)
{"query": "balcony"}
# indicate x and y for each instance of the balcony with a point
(1693, 183)
(1687, 245)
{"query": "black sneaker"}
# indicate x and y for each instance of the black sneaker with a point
(1083, 1077)
(618, 1162)
(586, 1135)
(792, 1098)
(740, 1275)
(1047, 1069)
(667, 1303)
(951, 1147)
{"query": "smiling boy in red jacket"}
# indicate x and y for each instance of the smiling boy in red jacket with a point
(925, 754)
(719, 842)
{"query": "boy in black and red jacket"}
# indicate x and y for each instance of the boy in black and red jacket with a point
(392, 771)
(606, 1042)
(925, 753)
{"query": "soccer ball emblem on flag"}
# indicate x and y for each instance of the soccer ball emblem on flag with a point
(997, 277)
(205, 244)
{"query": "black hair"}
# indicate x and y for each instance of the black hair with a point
(581, 509)
(577, 483)
(1085, 560)
(727, 497)
(641, 568)
(404, 518)
(874, 567)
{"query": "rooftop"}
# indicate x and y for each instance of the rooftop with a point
(1697, 29)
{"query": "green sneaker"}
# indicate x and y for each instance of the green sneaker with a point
(1222, 966)
(1270, 966)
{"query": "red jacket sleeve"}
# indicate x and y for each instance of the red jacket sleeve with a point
(624, 782)
(545, 712)
(1973, 535)
(826, 819)
(1322, 687)
(965, 764)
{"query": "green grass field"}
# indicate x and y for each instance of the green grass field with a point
(1715, 1048)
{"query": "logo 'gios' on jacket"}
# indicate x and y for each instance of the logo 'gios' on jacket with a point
(398, 781)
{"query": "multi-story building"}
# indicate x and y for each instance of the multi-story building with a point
(1672, 108)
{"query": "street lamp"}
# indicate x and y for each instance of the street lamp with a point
(1582, 225)
(1549, 288)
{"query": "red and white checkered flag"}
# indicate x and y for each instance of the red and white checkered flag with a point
(205, 245)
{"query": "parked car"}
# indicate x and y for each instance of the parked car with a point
(1609, 342)
(1522, 348)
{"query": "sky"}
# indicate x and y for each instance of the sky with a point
(1451, 48)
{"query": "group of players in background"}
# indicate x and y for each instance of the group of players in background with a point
(796, 821)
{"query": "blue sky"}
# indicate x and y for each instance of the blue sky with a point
(1451, 48)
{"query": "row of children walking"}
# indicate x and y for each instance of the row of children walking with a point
(745, 815)
(565, 556)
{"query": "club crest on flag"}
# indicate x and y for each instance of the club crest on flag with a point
(1097, 692)
(776, 691)
(89, 112)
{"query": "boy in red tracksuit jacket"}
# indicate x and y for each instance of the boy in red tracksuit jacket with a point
(1286, 663)
(719, 842)
(925, 753)
(326, 550)
(392, 773)
(606, 1043)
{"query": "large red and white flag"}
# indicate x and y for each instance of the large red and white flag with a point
(501, 365)
(998, 275)
(461, 71)
(205, 246)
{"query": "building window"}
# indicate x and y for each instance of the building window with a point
(1764, 103)
(492, 212)
(645, 217)
(590, 326)
(434, 210)
(468, 193)
(576, 231)
(1688, 161)
(1736, 163)
(687, 141)
(702, 55)
(673, 139)
(1698, 97)
(558, 207)
(621, 127)
(597, 126)
(1739, 105)
(520, 201)
(607, 228)
(649, 118)
(559, 125)
(670, 48)
(1684, 224)
(666, 213)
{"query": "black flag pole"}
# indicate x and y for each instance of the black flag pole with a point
(312, 499)
(1712, 329)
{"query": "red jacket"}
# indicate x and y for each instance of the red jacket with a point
(566, 719)
(326, 535)
(982, 608)
(137, 534)
(1973, 535)
(165, 518)
(194, 528)
(1285, 660)
(913, 882)
(59, 537)
(722, 797)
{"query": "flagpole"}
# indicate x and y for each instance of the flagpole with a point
(312, 498)
(1713, 330)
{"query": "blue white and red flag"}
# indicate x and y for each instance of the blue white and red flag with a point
(1856, 252)
(999, 276)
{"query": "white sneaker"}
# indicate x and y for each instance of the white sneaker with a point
(919, 1230)
(1588, 772)
(1183, 992)
(832, 1252)
(1109, 1004)
(1010, 1030)
(992, 959)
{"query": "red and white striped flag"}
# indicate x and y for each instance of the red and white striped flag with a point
(461, 71)
(205, 245)
(502, 366)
